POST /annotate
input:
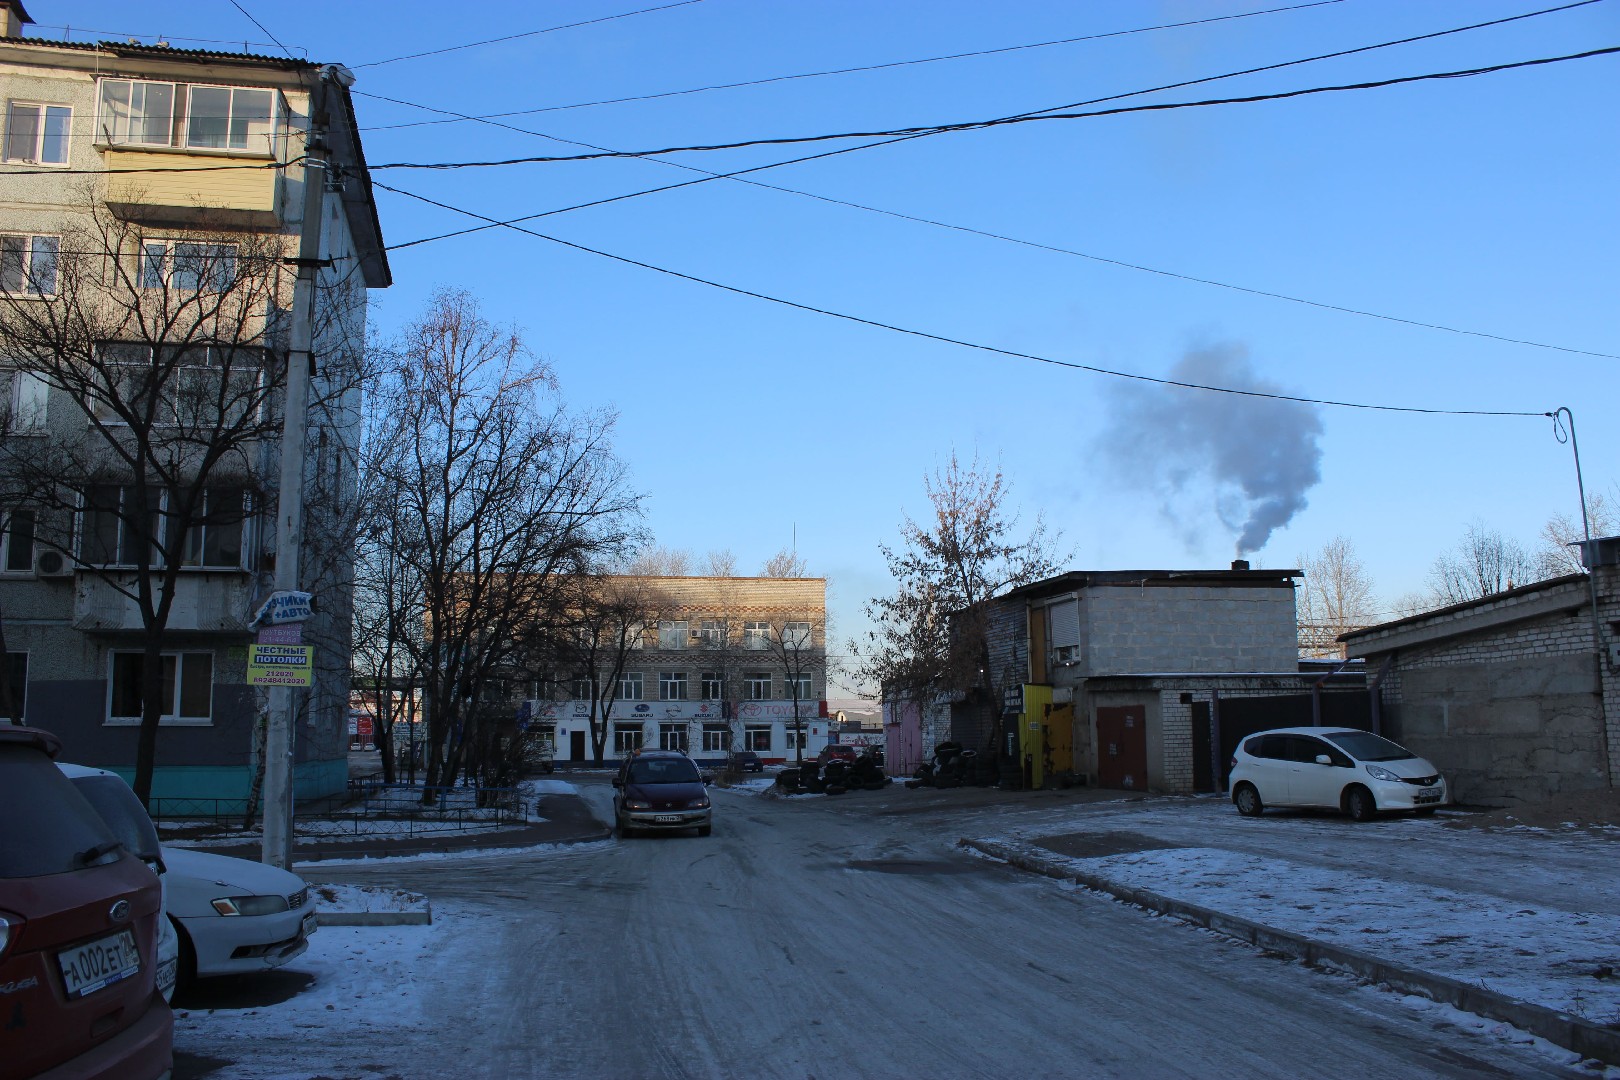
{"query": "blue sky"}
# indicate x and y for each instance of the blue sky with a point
(1484, 204)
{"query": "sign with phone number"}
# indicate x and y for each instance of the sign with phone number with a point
(280, 665)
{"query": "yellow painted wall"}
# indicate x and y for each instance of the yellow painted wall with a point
(231, 189)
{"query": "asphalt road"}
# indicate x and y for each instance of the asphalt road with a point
(828, 938)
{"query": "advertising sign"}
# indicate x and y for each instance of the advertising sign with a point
(280, 665)
(285, 607)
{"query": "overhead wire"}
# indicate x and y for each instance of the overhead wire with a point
(262, 27)
(524, 34)
(981, 125)
(860, 68)
(944, 339)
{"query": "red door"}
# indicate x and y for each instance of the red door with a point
(1122, 747)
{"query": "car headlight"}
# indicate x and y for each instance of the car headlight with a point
(1382, 774)
(637, 804)
(250, 905)
(698, 804)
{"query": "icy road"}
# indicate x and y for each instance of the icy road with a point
(811, 937)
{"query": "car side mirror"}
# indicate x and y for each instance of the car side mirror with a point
(617, 782)
(1323, 759)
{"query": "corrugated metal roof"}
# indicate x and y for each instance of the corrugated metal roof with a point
(166, 52)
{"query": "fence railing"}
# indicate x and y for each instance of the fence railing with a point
(371, 807)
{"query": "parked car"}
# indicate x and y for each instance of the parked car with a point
(660, 791)
(119, 808)
(836, 752)
(744, 761)
(78, 930)
(235, 916)
(1344, 769)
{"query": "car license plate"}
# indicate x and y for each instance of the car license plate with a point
(98, 964)
(667, 819)
(1427, 796)
(308, 926)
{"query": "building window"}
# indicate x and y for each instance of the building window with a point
(757, 685)
(630, 686)
(715, 738)
(672, 737)
(712, 634)
(757, 737)
(215, 540)
(583, 690)
(28, 264)
(17, 673)
(108, 533)
(38, 134)
(796, 635)
(188, 688)
(798, 687)
(714, 686)
(186, 266)
(672, 686)
(136, 113)
(793, 733)
(231, 118)
(18, 541)
(26, 398)
(627, 738)
(756, 635)
(672, 635)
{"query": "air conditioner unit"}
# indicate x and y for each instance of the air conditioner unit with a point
(52, 564)
(1066, 654)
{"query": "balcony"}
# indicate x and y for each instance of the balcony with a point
(206, 602)
(244, 198)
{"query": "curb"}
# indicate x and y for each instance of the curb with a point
(374, 918)
(1571, 1032)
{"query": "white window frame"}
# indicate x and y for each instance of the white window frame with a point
(713, 686)
(246, 148)
(672, 686)
(712, 634)
(28, 401)
(25, 267)
(160, 260)
(673, 736)
(175, 689)
(756, 636)
(794, 735)
(806, 685)
(797, 635)
(716, 738)
(628, 737)
(752, 682)
(630, 686)
(672, 634)
(36, 156)
(109, 131)
(582, 688)
(757, 737)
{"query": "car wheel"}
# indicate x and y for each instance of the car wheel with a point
(185, 976)
(1359, 804)
(1247, 800)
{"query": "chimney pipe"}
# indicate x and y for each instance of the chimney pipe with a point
(12, 19)
(1240, 564)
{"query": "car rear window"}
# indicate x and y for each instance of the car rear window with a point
(119, 807)
(46, 826)
(1365, 746)
(664, 771)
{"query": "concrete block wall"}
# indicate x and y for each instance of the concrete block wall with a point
(1196, 629)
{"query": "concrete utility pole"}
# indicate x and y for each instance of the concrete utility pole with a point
(278, 746)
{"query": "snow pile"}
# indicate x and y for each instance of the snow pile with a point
(367, 898)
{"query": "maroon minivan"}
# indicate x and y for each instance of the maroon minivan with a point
(78, 932)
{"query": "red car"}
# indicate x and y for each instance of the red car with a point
(836, 752)
(78, 931)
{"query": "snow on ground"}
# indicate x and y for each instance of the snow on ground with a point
(367, 898)
(469, 853)
(534, 788)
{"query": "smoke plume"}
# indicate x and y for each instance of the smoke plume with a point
(1253, 459)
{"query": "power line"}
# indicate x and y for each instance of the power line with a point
(857, 70)
(163, 37)
(261, 26)
(980, 125)
(524, 34)
(925, 335)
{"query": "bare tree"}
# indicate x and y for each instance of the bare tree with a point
(491, 493)
(931, 631)
(661, 562)
(721, 563)
(1483, 563)
(798, 647)
(148, 387)
(1558, 554)
(1336, 598)
(785, 564)
(607, 620)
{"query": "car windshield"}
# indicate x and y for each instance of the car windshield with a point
(46, 826)
(664, 771)
(1365, 746)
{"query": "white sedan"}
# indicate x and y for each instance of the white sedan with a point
(1344, 769)
(235, 916)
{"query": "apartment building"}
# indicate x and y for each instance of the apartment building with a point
(716, 664)
(152, 207)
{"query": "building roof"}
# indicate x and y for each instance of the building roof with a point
(1090, 579)
(135, 50)
(1554, 595)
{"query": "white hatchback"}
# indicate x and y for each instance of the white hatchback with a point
(1344, 769)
